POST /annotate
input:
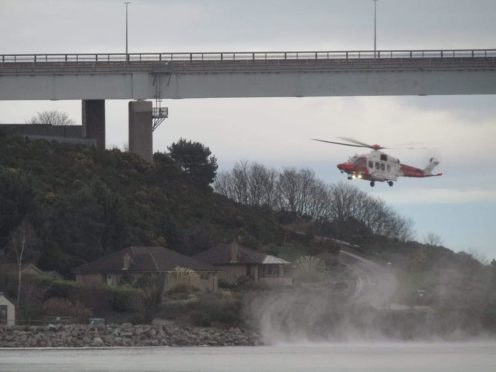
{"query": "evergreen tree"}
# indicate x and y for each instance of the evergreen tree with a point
(196, 160)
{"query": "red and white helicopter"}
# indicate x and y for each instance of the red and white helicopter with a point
(378, 166)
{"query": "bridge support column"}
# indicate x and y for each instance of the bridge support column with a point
(141, 129)
(93, 119)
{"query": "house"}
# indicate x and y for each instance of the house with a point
(7, 311)
(132, 263)
(237, 261)
(27, 269)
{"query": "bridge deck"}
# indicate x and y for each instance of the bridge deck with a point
(185, 63)
(246, 74)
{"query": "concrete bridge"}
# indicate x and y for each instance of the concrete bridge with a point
(94, 78)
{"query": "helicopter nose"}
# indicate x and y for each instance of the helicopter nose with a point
(345, 167)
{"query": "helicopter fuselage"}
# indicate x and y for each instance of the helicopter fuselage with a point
(381, 167)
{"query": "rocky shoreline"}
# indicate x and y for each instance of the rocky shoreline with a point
(123, 335)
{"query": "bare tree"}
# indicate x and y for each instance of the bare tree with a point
(287, 189)
(21, 241)
(433, 239)
(51, 117)
(224, 184)
(348, 202)
(299, 191)
(251, 184)
(240, 182)
(261, 185)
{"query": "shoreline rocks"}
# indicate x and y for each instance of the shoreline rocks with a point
(123, 335)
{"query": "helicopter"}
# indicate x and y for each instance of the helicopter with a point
(378, 166)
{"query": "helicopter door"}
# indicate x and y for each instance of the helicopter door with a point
(380, 170)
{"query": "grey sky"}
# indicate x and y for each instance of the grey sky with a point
(459, 129)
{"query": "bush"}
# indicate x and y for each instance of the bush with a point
(204, 310)
(125, 299)
(212, 310)
(59, 288)
(63, 307)
(181, 290)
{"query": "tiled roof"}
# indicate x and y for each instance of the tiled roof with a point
(143, 259)
(222, 255)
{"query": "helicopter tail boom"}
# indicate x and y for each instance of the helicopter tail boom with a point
(409, 171)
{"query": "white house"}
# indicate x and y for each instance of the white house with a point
(7, 311)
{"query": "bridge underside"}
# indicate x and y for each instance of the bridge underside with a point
(313, 78)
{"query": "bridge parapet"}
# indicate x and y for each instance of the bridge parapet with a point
(336, 61)
(245, 56)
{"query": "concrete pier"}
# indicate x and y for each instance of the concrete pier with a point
(93, 119)
(141, 129)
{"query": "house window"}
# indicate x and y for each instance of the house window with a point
(271, 270)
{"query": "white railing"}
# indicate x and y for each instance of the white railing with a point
(243, 56)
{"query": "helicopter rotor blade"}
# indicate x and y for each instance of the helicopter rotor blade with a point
(337, 143)
(355, 143)
(409, 146)
(373, 147)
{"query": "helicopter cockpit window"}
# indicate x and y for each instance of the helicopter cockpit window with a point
(361, 162)
(384, 157)
(371, 164)
(383, 166)
(388, 168)
(377, 165)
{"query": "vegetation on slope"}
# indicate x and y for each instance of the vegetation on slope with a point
(75, 204)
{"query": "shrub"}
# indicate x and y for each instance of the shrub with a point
(63, 307)
(215, 311)
(59, 287)
(125, 299)
(181, 290)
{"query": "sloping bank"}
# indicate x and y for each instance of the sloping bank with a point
(77, 335)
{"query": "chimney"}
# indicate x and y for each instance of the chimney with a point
(126, 261)
(233, 252)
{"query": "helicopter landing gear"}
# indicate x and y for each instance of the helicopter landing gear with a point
(390, 183)
(372, 183)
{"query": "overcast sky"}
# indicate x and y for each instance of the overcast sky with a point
(460, 130)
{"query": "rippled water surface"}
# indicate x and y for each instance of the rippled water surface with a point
(456, 357)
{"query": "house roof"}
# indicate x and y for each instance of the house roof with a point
(223, 255)
(5, 298)
(143, 259)
(29, 268)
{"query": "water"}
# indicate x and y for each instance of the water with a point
(426, 357)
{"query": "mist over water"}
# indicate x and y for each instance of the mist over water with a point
(312, 315)
(362, 312)
(319, 312)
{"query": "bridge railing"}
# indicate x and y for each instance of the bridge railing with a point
(244, 56)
